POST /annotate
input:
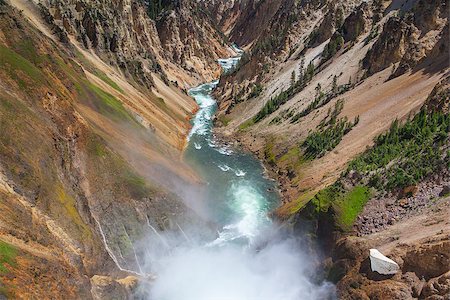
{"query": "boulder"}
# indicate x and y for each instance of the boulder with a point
(382, 264)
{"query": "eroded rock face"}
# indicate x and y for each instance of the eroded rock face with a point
(410, 39)
(428, 260)
(437, 288)
(71, 206)
(122, 34)
(190, 41)
(390, 46)
(332, 20)
(224, 12)
(357, 23)
(423, 268)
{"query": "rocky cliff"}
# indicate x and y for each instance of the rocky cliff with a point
(320, 83)
(180, 43)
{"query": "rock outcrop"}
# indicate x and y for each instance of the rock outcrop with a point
(410, 38)
(104, 287)
(181, 44)
(357, 23)
(423, 263)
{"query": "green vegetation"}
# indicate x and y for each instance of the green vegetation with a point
(246, 124)
(320, 142)
(312, 38)
(156, 7)
(223, 119)
(97, 148)
(125, 178)
(27, 49)
(20, 69)
(269, 155)
(350, 205)
(403, 156)
(71, 211)
(108, 81)
(330, 133)
(274, 103)
(256, 91)
(372, 35)
(136, 184)
(109, 105)
(416, 148)
(8, 255)
(346, 204)
(336, 43)
(270, 44)
(276, 120)
(321, 100)
(339, 18)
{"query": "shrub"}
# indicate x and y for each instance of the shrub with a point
(335, 44)
(274, 103)
(256, 91)
(8, 255)
(329, 134)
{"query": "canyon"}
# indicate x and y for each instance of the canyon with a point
(116, 169)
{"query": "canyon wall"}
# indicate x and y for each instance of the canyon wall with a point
(319, 85)
(93, 118)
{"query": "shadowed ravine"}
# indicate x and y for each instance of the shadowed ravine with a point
(242, 261)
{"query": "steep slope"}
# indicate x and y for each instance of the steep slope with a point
(319, 85)
(274, 111)
(90, 143)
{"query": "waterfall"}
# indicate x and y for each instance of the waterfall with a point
(134, 251)
(182, 231)
(111, 253)
(157, 233)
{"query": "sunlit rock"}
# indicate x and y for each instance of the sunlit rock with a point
(382, 264)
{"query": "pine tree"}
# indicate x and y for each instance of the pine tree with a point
(318, 90)
(310, 71)
(293, 79)
(334, 87)
(300, 69)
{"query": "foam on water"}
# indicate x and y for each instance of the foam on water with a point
(247, 203)
(201, 124)
(228, 267)
(224, 168)
(240, 173)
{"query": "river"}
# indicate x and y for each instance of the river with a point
(243, 261)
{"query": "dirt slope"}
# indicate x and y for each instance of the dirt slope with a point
(90, 151)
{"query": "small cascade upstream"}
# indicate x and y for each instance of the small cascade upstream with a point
(242, 262)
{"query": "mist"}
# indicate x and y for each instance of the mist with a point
(235, 251)
(187, 268)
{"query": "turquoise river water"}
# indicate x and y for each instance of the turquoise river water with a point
(242, 261)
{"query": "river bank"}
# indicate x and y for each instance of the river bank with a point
(249, 257)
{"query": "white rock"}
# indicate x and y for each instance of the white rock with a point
(382, 264)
